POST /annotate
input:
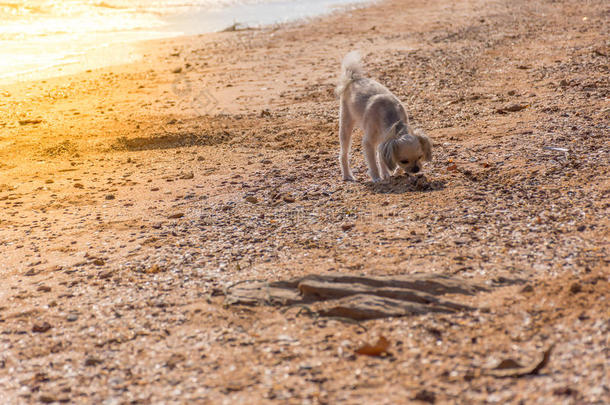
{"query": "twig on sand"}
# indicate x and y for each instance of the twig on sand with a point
(555, 148)
(236, 26)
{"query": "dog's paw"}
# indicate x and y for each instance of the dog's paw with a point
(376, 179)
(349, 177)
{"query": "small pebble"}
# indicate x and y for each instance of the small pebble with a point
(347, 227)
(47, 399)
(575, 288)
(527, 289)
(92, 361)
(41, 327)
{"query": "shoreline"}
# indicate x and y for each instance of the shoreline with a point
(126, 51)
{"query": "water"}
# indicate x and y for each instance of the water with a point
(61, 36)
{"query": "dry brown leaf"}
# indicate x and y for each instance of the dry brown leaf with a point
(377, 349)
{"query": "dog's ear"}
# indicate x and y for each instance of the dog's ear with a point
(387, 154)
(393, 132)
(426, 145)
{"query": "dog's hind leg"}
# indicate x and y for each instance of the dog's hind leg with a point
(346, 126)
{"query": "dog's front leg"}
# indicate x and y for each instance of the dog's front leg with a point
(370, 153)
(346, 126)
(385, 172)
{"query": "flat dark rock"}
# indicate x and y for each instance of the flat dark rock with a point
(358, 297)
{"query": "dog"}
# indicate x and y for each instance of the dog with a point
(389, 142)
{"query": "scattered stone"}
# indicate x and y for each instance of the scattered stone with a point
(41, 327)
(92, 361)
(47, 399)
(44, 288)
(187, 175)
(174, 360)
(252, 199)
(565, 392)
(347, 227)
(425, 396)
(177, 215)
(575, 288)
(512, 108)
(78, 185)
(109, 197)
(105, 275)
(289, 199)
(98, 262)
(72, 318)
(177, 70)
(527, 289)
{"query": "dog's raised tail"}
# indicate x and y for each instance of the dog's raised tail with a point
(351, 69)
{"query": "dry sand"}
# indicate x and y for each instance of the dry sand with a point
(125, 213)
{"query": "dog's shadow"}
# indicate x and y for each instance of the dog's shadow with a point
(405, 184)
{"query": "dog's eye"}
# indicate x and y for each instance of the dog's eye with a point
(404, 162)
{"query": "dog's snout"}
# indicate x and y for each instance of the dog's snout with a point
(415, 169)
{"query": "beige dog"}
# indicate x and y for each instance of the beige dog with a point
(388, 140)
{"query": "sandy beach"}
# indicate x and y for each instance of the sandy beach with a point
(134, 197)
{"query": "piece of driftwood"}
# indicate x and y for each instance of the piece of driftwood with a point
(357, 297)
(512, 368)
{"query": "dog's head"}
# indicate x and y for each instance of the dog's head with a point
(405, 150)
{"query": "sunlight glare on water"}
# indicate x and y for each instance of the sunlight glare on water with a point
(39, 34)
